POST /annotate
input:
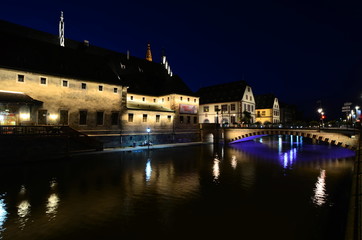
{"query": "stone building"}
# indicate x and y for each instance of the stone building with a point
(227, 104)
(91, 89)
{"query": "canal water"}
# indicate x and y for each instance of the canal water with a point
(275, 187)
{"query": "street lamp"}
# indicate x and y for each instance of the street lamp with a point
(148, 137)
(321, 114)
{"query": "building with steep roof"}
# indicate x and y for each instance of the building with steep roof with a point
(267, 109)
(91, 89)
(227, 103)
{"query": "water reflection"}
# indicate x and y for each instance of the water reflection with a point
(216, 168)
(233, 161)
(320, 195)
(53, 201)
(148, 170)
(3, 213)
(23, 213)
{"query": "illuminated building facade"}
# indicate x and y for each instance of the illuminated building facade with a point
(91, 89)
(227, 103)
(267, 109)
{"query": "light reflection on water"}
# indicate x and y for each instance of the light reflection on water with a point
(3, 214)
(265, 183)
(320, 195)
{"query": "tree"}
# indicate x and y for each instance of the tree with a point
(246, 117)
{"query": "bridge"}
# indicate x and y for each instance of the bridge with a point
(347, 138)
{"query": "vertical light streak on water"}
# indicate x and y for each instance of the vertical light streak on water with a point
(53, 201)
(216, 169)
(3, 214)
(261, 140)
(291, 140)
(23, 213)
(285, 162)
(233, 162)
(320, 195)
(148, 170)
(280, 144)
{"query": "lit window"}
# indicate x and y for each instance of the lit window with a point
(21, 78)
(43, 81)
(206, 108)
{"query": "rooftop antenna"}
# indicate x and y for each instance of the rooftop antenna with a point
(61, 30)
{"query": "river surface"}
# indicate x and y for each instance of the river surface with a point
(275, 187)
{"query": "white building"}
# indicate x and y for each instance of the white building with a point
(230, 104)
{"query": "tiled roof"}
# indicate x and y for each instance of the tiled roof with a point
(264, 101)
(35, 51)
(227, 92)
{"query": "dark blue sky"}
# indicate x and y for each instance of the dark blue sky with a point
(301, 52)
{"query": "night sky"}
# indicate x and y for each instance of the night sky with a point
(302, 52)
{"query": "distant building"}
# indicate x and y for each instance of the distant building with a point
(289, 113)
(267, 109)
(91, 89)
(227, 103)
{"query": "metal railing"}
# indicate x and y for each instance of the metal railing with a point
(47, 130)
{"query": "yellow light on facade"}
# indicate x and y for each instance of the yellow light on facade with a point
(25, 116)
(53, 116)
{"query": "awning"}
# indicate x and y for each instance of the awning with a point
(17, 97)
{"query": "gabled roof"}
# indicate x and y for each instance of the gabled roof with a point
(30, 50)
(226, 92)
(264, 101)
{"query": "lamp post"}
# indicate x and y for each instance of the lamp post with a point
(320, 111)
(148, 137)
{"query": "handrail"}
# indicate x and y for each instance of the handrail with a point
(49, 130)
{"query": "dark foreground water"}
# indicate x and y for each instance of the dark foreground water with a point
(278, 187)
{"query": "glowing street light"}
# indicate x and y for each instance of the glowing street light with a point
(148, 137)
